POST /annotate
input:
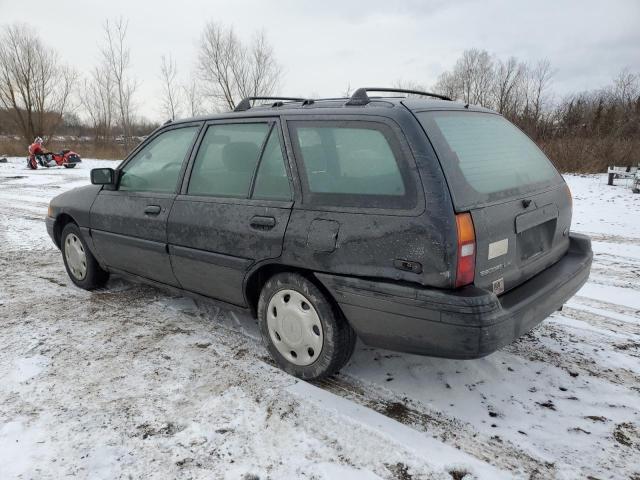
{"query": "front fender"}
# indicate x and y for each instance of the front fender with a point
(76, 203)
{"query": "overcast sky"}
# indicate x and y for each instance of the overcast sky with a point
(325, 45)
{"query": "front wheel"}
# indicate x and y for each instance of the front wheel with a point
(82, 267)
(304, 331)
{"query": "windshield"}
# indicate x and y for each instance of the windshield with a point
(485, 157)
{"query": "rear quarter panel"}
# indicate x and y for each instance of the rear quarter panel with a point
(366, 242)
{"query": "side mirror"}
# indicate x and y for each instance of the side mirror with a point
(103, 176)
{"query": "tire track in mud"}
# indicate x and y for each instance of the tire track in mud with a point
(615, 270)
(602, 237)
(604, 305)
(601, 321)
(532, 346)
(616, 274)
(494, 450)
(23, 213)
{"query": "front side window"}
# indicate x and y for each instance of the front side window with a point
(227, 159)
(351, 163)
(156, 167)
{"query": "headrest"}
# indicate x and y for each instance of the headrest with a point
(240, 156)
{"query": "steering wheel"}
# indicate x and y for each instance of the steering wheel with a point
(133, 181)
(169, 166)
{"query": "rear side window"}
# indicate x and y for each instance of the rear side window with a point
(272, 181)
(485, 157)
(227, 159)
(351, 163)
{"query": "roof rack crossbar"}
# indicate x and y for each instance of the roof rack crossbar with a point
(245, 103)
(360, 96)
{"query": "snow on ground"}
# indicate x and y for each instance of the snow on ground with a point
(129, 381)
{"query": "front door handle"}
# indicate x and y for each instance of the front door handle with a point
(263, 223)
(152, 210)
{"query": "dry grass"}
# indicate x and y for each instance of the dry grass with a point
(15, 148)
(591, 154)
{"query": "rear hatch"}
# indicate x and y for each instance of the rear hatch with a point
(519, 203)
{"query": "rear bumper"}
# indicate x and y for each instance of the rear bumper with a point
(465, 323)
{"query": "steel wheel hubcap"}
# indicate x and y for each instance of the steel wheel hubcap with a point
(294, 327)
(76, 256)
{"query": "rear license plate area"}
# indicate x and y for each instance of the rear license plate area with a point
(535, 241)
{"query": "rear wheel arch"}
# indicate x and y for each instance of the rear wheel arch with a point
(258, 277)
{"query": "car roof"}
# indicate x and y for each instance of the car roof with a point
(332, 106)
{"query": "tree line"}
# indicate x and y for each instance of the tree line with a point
(41, 95)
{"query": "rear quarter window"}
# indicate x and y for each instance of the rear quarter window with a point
(352, 164)
(485, 157)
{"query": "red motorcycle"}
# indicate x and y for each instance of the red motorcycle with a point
(66, 158)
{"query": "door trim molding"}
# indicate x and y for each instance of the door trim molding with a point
(228, 261)
(131, 241)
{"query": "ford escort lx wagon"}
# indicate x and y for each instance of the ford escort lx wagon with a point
(416, 224)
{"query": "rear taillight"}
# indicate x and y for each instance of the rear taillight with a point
(466, 269)
(569, 195)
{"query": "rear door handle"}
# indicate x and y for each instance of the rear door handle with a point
(263, 223)
(152, 210)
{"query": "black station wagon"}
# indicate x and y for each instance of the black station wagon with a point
(415, 224)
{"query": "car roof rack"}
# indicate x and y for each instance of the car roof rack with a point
(360, 96)
(245, 103)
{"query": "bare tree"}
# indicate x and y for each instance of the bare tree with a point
(117, 58)
(471, 78)
(264, 70)
(447, 85)
(507, 82)
(626, 87)
(192, 94)
(97, 96)
(538, 83)
(171, 95)
(348, 91)
(231, 70)
(34, 86)
(410, 85)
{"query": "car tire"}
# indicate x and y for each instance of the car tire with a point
(82, 267)
(293, 330)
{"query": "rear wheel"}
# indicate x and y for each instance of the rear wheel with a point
(82, 267)
(302, 328)
(69, 165)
